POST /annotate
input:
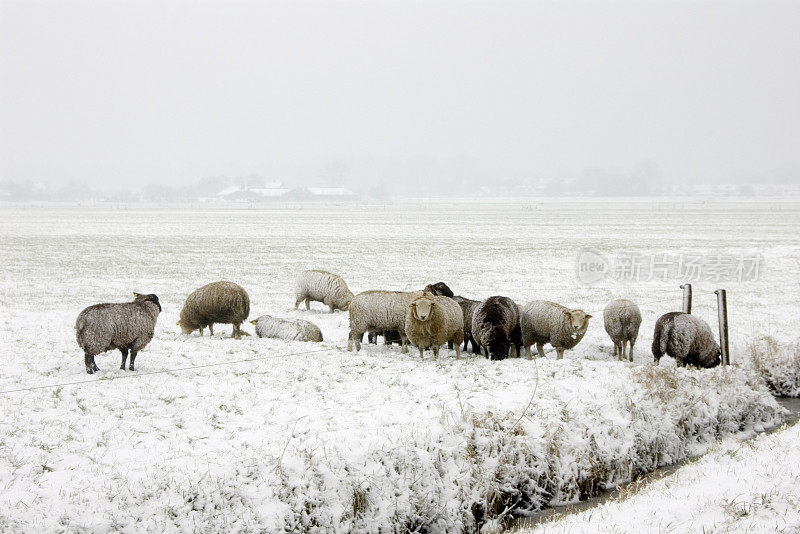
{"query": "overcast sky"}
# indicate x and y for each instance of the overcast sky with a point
(109, 92)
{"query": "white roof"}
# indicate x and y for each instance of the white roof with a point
(270, 192)
(229, 190)
(330, 191)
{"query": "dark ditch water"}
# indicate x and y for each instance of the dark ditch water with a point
(791, 404)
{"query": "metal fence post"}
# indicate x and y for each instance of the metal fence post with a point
(722, 310)
(687, 298)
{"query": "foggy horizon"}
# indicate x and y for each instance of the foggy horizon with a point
(423, 97)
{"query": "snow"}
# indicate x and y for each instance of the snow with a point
(219, 434)
(737, 487)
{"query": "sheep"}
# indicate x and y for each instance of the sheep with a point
(432, 321)
(389, 336)
(622, 319)
(686, 338)
(547, 322)
(379, 310)
(495, 327)
(439, 288)
(322, 286)
(468, 308)
(217, 302)
(298, 330)
(125, 326)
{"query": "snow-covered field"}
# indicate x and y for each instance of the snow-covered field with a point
(737, 487)
(218, 434)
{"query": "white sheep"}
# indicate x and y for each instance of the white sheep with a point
(432, 321)
(379, 310)
(622, 319)
(686, 338)
(297, 330)
(322, 286)
(547, 322)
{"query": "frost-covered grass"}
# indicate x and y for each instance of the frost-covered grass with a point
(751, 486)
(777, 363)
(289, 439)
(348, 442)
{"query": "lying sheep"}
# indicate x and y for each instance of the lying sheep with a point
(322, 286)
(127, 327)
(495, 327)
(547, 322)
(621, 319)
(297, 330)
(217, 302)
(686, 338)
(439, 288)
(468, 309)
(432, 321)
(379, 310)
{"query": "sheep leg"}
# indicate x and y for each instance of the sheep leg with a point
(211, 329)
(458, 351)
(133, 357)
(435, 349)
(475, 347)
(403, 342)
(540, 349)
(466, 343)
(124, 352)
(630, 349)
(559, 353)
(308, 304)
(421, 355)
(201, 332)
(298, 301)
(88, 360)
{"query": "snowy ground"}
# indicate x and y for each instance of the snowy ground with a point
(738, 486)
(219, 444)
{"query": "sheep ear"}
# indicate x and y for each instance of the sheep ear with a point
(178, 323)
(588, 316)
(135, 294)
(566, 312)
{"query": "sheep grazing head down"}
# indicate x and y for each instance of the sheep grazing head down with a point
(145, 298)
(578, 320)
(422, 308)
(185, 328)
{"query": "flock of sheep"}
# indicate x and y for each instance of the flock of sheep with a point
(496, 327)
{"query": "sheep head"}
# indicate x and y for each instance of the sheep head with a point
(578, 320)
(138, 297)
(422, 308)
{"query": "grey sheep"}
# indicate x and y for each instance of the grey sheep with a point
(468, 309)
(686, 338)
(217, 302)
(432, 321)
(622, 319)
(495, 327)
(547, 322)
(322, 286)
(297, 330)
(377, 311)
(126, 326)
